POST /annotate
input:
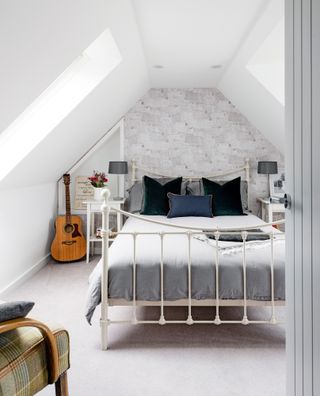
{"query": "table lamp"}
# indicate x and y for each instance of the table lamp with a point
(118, 168)
(268, 168)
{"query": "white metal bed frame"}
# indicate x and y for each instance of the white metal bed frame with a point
(188, 302)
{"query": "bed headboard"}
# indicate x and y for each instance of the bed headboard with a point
(245, 168)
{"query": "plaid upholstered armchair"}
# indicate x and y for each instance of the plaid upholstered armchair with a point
(31, 357)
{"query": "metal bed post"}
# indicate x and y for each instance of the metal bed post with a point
(134, 279)
(217, 319)
(189, 320)
(245, 320)
(273, 315)
(162, 320)
(104, 321)
(247, 171)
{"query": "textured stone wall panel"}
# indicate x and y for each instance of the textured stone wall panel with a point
(192, 132)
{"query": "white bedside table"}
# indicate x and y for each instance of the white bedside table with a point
(95, 207)
(269, 208)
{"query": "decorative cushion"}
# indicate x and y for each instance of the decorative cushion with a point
(226, 197)
(14, 309)
(134, 201)
(189, 205)
(195, 187)
(23, 360)
(155, 195)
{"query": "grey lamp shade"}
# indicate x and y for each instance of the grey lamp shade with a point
(118, 167)
(268, 167)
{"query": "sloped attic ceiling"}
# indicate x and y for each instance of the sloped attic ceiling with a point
(178, 43)
(254, 93)
(51, 35)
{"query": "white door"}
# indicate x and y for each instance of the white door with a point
(303, 220)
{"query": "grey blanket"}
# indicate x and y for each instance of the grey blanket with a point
(258, 235)
(176, 267)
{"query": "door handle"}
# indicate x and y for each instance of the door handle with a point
(287, 201)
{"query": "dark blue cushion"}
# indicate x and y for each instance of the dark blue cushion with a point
(189, 205)
(226, 197)
(155, 195)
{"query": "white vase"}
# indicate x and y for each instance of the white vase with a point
(97, 193)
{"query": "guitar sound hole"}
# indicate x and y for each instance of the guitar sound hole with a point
(69, 228)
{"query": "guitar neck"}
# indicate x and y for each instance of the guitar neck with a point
(68, 205)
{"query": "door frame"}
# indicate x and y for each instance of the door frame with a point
(303, 180)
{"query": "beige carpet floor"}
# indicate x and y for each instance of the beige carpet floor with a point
(149, 360)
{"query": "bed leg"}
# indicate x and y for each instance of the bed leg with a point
(104, 335)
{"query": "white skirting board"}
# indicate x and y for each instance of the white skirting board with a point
(26, 275)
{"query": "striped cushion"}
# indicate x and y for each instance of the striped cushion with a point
(23, 363)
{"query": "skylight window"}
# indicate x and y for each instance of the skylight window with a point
(267, 64)
(57, 101)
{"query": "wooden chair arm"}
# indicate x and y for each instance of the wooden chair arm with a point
(53, 363)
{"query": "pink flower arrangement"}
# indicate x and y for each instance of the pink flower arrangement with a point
(98, 179)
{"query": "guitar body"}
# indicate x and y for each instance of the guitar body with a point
(69, 243)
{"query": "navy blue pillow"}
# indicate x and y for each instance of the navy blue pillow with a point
(189, 205)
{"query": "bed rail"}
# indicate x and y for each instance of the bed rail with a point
(189, 232)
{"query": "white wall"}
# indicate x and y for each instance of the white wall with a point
(26, 230)
(192, 132)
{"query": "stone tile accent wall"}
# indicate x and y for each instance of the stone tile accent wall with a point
(191, 132)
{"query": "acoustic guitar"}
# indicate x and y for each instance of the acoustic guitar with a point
(69, 243)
